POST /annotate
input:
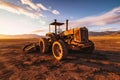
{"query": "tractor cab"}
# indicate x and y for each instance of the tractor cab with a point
(57, 26)
(54, 30)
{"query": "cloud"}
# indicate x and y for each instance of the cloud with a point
(30, 3)
(42, 7)
(38, 6)
(33, 5)
(18, 10)
(29, 11)
(107, 29)
(111, 17)
(28, 8)
(55, 12)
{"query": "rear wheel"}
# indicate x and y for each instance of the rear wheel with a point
(59, 50)
(43, 43)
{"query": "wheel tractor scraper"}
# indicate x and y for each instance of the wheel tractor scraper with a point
(31, 47)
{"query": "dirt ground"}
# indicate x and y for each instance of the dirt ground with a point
(102, 64)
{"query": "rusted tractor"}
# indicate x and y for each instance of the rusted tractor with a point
(59, 42)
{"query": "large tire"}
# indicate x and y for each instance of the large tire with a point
(43, 43)
(89, 49)
(59, 50)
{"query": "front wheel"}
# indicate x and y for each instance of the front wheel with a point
(89, 49)
(59, 50)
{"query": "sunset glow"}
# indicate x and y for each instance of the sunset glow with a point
(34, 16)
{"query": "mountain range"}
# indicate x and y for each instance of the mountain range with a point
(111, 33)
(23, 36)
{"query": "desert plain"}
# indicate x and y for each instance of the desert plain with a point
(102, 64)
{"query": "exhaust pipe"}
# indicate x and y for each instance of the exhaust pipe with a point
(55, 26)
(66, 25)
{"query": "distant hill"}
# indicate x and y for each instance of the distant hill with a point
(2, 36)
(111, 33)
(104, 33)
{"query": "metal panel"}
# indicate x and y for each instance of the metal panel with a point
(84, 35)
(77, 36)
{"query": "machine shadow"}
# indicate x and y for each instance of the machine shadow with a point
(105, 61)
(111, 56)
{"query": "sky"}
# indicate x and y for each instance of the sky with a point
(34, 16)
